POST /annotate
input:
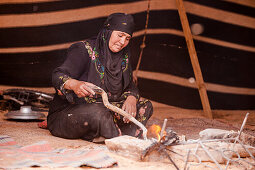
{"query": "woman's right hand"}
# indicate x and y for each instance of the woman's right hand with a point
(80, 88)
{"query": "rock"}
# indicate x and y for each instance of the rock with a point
(209, 133)
(128, 146)
(133, 148)
(216, 134)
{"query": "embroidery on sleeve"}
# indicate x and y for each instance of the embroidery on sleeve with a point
(93, 54)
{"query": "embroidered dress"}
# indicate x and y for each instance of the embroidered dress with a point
(87, 118)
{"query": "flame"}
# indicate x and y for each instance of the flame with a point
(155, 130)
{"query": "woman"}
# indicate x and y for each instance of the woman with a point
(76, 111)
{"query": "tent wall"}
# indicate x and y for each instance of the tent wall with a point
(35, 35)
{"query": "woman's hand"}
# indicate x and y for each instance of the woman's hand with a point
(80, 88)
(130, 107)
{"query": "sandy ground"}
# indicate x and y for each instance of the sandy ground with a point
(183, 121)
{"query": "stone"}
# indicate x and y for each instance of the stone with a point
(210, 133)
(128, 146)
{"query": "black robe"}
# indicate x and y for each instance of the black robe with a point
(87, 118)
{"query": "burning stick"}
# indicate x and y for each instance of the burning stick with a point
(166, 154)
(152, 147)
(100, 91)
(163, 128)
(166, 138)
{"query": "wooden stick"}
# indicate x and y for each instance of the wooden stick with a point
(163, 128)
(100, 91)
(194, 59)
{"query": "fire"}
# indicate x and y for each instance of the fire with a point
(155, 131)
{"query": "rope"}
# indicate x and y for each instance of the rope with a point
(143, 45)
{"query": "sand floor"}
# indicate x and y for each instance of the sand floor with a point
(183, 121)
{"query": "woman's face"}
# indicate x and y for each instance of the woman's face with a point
(118, 41)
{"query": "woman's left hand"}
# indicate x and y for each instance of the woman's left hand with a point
(130, 107)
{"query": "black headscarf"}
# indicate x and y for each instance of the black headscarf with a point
(120, 22)
(113, 75)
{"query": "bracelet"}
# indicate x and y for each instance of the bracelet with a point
(62, 89)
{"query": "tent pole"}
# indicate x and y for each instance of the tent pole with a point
(194, 59)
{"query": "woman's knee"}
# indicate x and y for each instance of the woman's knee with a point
(68, 125)
(148, 108)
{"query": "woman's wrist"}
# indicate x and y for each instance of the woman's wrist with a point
(129, 93)
(131, 97)
(69, 84)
